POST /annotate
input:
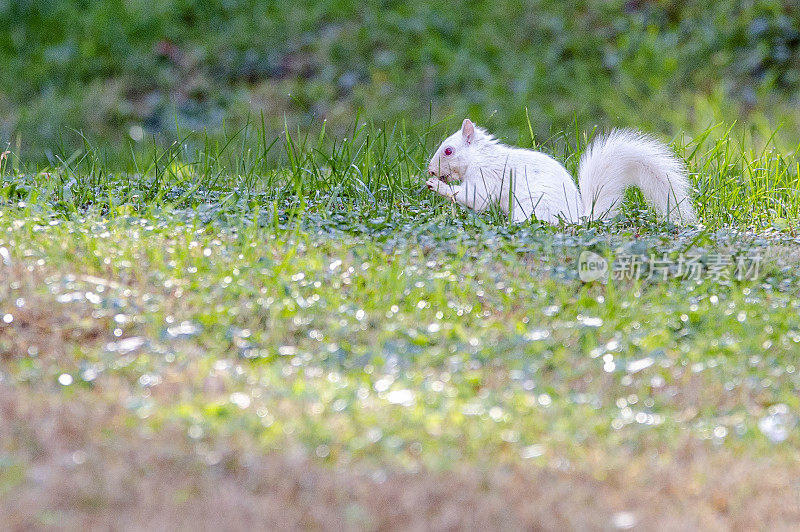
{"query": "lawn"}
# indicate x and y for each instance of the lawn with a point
(294, 332)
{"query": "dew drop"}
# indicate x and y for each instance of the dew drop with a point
(401, 397)
(778, 423)
(242, 400)
(624, 520)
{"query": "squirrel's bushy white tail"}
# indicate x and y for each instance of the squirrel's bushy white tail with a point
(625, 158)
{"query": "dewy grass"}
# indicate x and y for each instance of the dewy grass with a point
(305, 294)
(402, 347)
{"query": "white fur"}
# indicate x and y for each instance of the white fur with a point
(526, 182)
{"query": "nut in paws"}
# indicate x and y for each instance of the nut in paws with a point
(440, 187)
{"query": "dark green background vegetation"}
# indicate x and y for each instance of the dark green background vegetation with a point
(102, 67)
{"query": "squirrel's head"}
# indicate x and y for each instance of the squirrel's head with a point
(451, 160)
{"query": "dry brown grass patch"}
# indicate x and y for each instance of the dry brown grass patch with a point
(78, 464)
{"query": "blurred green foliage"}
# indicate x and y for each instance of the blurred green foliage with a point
(104, 67)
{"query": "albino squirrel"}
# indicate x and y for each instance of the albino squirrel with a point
(526, 182)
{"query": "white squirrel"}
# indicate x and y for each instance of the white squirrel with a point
(527, 182)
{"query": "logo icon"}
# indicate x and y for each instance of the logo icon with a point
(592, 267)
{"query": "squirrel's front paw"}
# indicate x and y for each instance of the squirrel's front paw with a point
(439, 186)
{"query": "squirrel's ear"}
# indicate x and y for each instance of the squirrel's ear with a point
(468, 131)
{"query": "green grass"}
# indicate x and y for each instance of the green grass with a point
(306, 292)
(374, 169)
(104, 67)
(485, 338)
(227, 297)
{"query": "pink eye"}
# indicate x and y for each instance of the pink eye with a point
(448, 151)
